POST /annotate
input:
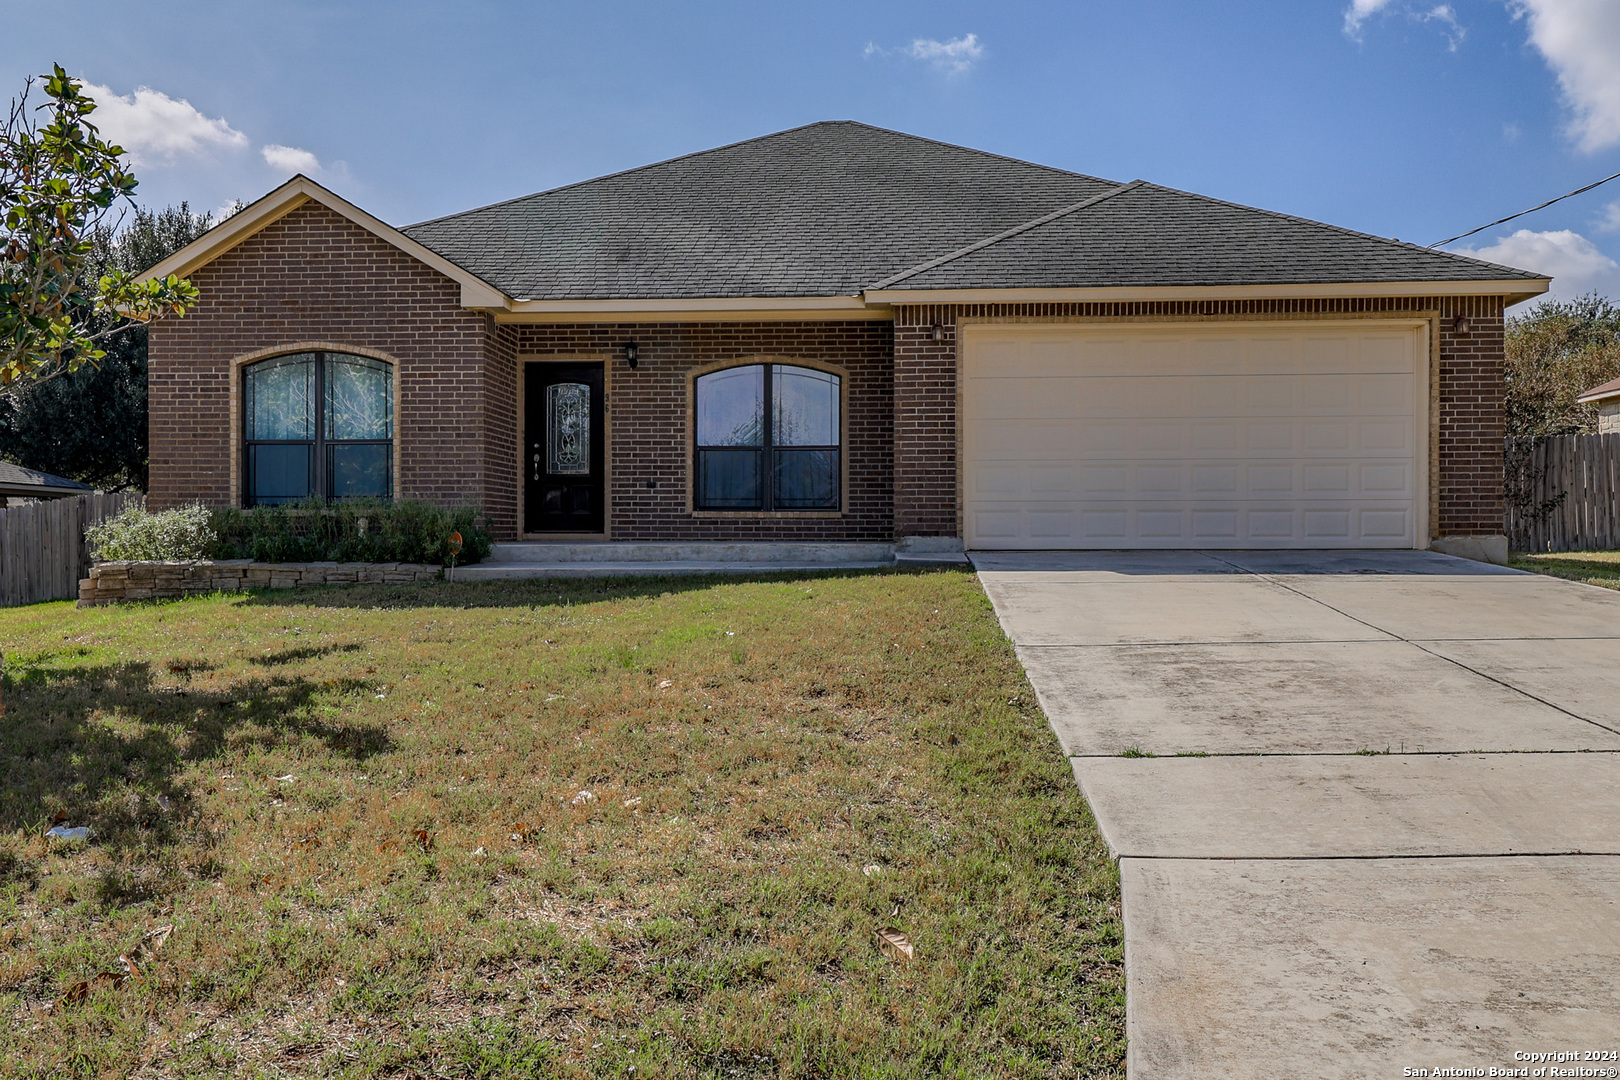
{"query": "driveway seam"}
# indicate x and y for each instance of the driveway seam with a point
(1419, 646)
(1378, 858)
(1333, 753)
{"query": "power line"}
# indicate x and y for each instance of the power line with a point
(1533, 209)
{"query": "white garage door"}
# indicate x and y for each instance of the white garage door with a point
(1181, 435)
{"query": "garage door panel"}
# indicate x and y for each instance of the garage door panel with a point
(1234, 481)
(1234, 436)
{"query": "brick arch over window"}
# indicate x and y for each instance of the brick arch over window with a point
(774, 451)
(238, 372)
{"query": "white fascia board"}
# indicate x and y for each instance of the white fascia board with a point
(1512, 290)
(266, 211)
(699, 309)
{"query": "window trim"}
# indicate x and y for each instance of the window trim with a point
(320, 446)
(843, 447)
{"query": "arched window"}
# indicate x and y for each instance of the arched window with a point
(754, 457)
(318, 424)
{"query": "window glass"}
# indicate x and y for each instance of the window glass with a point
(347, 454)
(358, 470)
(281, 398)
(805, 412)
(729, 479)
(359, 398)
(805, 480)
(731, 407)
(279, 472)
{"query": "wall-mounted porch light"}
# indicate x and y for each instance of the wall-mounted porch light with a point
(939, 332)
(1460, 324)
(630, 353)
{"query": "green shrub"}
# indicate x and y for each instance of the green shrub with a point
(357, 531)
(185, 533)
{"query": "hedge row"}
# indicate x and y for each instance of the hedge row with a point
(358, 531)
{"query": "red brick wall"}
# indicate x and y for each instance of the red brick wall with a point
(650, 417)
(315, 276)
(1469, 446)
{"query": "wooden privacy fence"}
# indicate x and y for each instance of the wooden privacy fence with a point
(42, 550)
(1563, 493)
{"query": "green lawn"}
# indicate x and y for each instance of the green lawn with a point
(1592, 567)
(630, 829)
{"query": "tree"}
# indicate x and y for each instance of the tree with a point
(90, 424)
(60, 183)
(1554, 352)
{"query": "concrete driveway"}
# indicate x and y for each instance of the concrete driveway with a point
(1366, 805)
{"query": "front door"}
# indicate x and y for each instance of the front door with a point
(563, 467)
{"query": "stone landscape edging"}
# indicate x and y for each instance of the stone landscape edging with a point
(110, 582)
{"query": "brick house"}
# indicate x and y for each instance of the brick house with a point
(842, 333)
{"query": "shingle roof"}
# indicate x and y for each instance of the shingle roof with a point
(833, 208)
(1602, 390)
(16, 480)
(1144, 234)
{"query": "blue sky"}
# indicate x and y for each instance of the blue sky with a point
(1405, 118)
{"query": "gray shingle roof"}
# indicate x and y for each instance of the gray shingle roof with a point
(16, 480)
(833, 208)
(1146, 235)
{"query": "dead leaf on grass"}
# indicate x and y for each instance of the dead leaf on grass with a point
(894, 944)
(423, 838)
(665, 684)
(151, 942)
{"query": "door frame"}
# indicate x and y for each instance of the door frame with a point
(519, 459)
(1424, 323)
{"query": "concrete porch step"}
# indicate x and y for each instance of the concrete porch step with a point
(542, 559)
(553, 553)
(660, 568)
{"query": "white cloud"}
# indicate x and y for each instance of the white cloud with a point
(1359, 12)
(1570, 259)
(952, 57)
(1610, 221)
(156, 128)
(1447, 18)
(290, 159)
(955, 55)
(1580, 40)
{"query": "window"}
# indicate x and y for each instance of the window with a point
(784, 457)
(318, 424)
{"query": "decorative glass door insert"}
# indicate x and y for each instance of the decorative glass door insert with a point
(568, 425)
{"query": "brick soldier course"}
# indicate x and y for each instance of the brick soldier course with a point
(776, 250)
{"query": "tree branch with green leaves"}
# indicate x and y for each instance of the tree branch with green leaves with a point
(59, 183)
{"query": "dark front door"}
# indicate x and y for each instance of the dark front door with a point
(562, 474)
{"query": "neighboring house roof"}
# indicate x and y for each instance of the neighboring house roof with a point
(31, 483)
(840, 216)
(1601, 392)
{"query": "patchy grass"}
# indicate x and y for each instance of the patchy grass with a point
(1592, 567)
(365, 811)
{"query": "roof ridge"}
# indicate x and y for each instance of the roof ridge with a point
(1006, 234)
(745, 142)
(1344, 231)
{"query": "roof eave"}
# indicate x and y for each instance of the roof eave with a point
(267, 210)
(1512, 291)
(695, 309)
(42, 491)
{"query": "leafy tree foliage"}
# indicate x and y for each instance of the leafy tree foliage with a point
(1555, 352)
(60, 183)
(90, 424)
